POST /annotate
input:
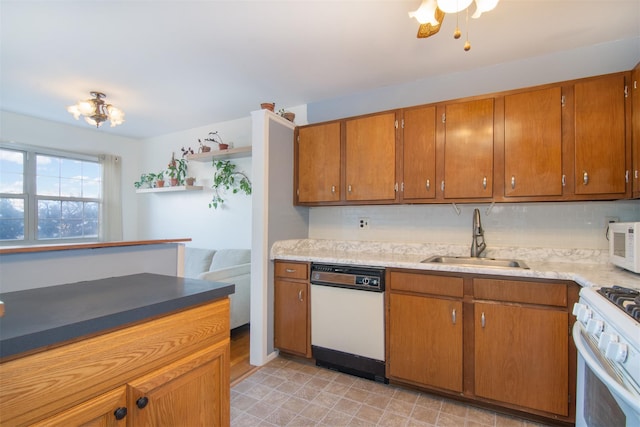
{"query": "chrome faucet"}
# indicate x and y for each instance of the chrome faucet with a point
(477, 244)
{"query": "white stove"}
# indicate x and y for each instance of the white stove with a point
(607, 336)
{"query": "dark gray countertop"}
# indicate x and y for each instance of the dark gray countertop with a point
(42, 317)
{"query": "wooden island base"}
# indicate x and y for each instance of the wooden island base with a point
(168, 370)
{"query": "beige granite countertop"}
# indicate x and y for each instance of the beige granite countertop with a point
(587, 267)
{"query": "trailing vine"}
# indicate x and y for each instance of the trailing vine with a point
(225, 178)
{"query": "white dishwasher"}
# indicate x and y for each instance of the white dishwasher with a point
(347, 319)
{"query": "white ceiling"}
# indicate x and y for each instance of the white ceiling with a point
(176, 64)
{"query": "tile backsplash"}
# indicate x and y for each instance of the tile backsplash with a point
(531, 225)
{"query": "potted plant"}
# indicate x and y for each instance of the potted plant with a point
(177, 169)
(226, 177)
(146, 180)
(203, 148)
(190, 180)
(216, 139)
(268, 106)
(160, 179)
(287, 114)
(186, 151)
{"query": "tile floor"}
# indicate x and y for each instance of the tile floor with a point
(293, 392)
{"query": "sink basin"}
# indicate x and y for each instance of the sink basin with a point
(477, 262)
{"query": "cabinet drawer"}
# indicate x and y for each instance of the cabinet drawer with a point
(521, 291)
(292, 270)
(427, 284)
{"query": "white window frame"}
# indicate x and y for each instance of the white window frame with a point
(30, 198)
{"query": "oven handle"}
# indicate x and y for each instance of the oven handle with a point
(599, 371)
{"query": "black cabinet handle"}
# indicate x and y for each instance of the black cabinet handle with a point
(120, 413)
(142, 402)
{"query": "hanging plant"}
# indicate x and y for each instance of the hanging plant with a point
(225, 178)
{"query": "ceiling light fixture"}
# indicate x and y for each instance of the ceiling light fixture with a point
(431, 13)
(96, 111)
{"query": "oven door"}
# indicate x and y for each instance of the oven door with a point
(603, 398)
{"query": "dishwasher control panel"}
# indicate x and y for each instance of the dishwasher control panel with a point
(347, 276)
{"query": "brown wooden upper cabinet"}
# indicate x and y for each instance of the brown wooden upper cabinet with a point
(468, 150)
(370, 158)
(635, 130)
(533, 143)
(318, 163)
(600, 137)
(419, 153)
(574, 140)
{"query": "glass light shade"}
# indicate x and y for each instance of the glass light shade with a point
(484, 6)
(92, 122)
(73, 109)
(86, 107)
(116, 115)
(453, 6)
(426, 13)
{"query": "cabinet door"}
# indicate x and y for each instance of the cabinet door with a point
(425, 341)
(521, 356)
(533, 143)
(107, 410)
(291, 317)
(468, 151)
(193, 391)
(635, 130)
(318, 166)
(419, 153)
(371, 158)
(600, 136)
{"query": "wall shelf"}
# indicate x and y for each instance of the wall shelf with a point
(231, 153)
(170, 189)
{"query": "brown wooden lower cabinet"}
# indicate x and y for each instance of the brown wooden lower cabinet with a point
(169, 371)
(500, 341)
(419, 325)
(292, 327)
(521, 356)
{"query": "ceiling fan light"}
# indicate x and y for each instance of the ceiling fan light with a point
(426, 13)
(484, 6)
(453, 6)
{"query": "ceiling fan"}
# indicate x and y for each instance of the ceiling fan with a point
(428, 29)
(431, 13)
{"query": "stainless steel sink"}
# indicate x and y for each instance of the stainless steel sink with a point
(477, 262)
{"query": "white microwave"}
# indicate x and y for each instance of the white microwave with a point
(624, 245)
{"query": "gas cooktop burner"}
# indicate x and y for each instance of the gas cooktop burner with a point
(628, 300)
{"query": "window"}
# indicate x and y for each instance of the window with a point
(48, 197)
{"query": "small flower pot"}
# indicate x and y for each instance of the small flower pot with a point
(174, 182)
(160, 183)
(190, 181)
(205, 149)
(289, 116)
(223, 146)
(268, 106)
